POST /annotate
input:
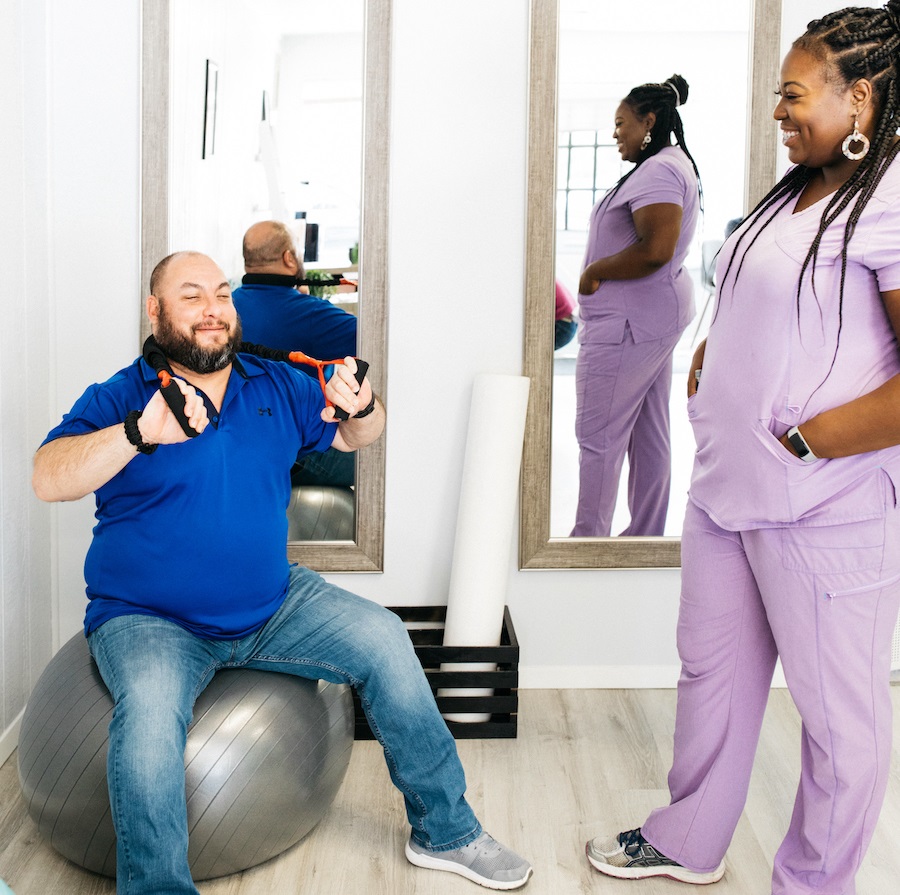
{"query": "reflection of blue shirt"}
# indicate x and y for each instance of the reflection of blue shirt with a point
(281, 317)
(196, 532)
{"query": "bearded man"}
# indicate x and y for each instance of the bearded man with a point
(187, 573)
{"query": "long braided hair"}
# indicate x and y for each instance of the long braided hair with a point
(856, 42)
(663, 100)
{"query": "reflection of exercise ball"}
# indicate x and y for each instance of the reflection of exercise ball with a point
(265, 757)
(321, 513)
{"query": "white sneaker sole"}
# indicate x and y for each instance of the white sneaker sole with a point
(668, 871)
(431, 862)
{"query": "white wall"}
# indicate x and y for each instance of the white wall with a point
(69, 175)
(93, 183)
(457, 280)
(25, 608)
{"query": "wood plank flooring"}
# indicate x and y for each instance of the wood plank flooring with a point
(586, 762)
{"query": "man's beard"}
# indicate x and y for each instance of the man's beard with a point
(185, 351)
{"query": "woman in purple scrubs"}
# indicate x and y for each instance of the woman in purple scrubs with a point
(635, 300)
(791, 544)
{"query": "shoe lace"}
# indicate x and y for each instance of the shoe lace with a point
(630, 838)
(487, 857)
(485, 845)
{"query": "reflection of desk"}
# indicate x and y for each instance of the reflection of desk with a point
(348, 271)
(344, 297)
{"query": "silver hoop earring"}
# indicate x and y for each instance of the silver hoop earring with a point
(646, 141)
(855, 137)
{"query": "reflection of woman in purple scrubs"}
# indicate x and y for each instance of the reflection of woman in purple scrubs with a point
(635, 300)
(791, 544)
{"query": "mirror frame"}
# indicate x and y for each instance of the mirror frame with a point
(537, 549)
(366, 552)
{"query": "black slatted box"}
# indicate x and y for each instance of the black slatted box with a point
(425, 626)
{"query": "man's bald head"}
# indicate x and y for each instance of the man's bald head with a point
(159, 272)
(269, 248)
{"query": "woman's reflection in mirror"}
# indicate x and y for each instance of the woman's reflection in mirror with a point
(635, 300)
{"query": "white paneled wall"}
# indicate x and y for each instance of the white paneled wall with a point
(25, 600)
(69, 177)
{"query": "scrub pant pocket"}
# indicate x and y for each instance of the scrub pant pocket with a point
(833, 609)
(835, 549)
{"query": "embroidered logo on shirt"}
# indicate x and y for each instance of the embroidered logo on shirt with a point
(265, 410)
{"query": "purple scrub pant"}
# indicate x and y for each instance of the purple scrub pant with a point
(622, 405)
(825, 600)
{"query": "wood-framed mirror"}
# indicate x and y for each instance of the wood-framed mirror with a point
(539, 548)
(364, 553)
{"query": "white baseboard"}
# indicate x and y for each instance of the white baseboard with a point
(607, 677)
(9, 739)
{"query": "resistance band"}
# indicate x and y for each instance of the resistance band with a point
(154, 356)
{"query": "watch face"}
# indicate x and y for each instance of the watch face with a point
(799, 444)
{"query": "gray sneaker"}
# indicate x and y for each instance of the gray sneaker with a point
(630, 856)
(484, 861)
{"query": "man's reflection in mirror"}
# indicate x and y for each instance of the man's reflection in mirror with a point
(278, 312)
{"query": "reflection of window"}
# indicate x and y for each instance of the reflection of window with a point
(586, 168)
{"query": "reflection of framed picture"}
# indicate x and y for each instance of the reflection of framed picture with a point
(209, 109)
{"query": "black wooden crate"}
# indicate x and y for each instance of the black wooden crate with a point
(503, 705)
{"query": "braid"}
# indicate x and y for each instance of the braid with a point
(663, 100)
(856, 42)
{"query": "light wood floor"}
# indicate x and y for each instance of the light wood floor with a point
(586, 762)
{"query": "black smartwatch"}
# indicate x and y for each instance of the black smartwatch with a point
(133, 433)
(798, 443)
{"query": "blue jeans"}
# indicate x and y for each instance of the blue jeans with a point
(564, 332)
(155, 669)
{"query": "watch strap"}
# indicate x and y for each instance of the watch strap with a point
(369, 408)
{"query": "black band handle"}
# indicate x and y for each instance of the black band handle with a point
(362, 368)
(154, 356)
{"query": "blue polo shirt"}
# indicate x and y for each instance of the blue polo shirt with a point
(196, 532)
(281, 317)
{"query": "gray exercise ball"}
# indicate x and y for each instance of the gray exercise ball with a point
(321, 513)
(266, 754)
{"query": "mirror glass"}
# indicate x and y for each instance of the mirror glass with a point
(584, 60)
(277, 110)
(603, 53)
(266, 123)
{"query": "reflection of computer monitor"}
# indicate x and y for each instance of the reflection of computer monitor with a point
(311, 249)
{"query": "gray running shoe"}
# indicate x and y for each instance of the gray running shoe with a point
(630, 856)
(484, 861)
